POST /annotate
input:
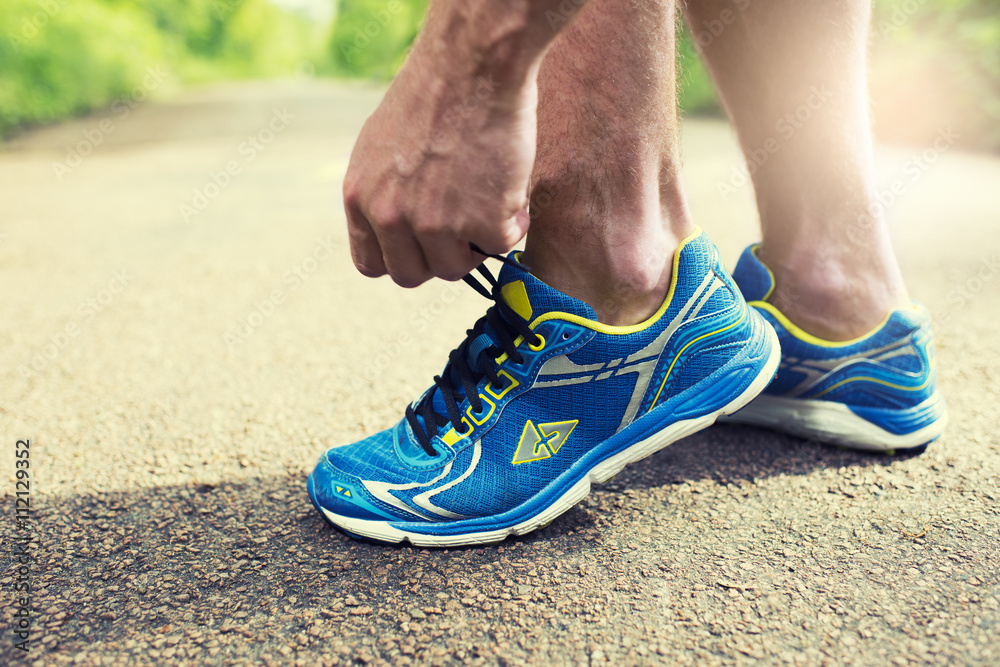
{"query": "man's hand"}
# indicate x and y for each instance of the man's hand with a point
(439, 164)
(445, 159)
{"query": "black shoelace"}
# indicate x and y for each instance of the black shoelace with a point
(506, 326)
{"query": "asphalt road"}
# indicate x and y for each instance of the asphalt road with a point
(183, 335)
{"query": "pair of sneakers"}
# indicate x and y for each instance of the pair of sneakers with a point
(541, 400)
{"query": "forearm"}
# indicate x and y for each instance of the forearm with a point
(501, 39)
(445, 160)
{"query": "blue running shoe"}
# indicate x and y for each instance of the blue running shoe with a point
(876, 392)
(541, 400)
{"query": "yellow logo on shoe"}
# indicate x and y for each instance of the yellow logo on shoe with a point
(542, 440)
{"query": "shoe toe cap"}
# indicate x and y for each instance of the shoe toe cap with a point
(334, 491)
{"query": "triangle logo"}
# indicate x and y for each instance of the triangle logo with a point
(542, 441)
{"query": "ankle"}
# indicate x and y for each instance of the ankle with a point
(835, 298)
(624, 281)
(608, 240)
(625, 290)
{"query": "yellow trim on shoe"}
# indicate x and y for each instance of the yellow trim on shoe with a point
(754, 248)
(930, 378)
(503, 357)
(630, 329)
(808, 337)
(608, 328)
(797, 331)
(678, 356)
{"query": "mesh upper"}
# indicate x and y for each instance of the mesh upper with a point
(890, 367)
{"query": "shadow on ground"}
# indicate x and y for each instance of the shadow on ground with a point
(251, 571)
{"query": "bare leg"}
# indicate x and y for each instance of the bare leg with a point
(607, 211)
(836, 274)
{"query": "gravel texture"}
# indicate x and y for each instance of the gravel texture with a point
(168, 449)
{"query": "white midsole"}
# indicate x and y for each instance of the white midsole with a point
(832, 422)
(603, 471)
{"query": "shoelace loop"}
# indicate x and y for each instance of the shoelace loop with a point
(483, 350)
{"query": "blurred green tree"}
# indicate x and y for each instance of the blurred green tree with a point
(935, 62)
(372, 37)
(65, 57)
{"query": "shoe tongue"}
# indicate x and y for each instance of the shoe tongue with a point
(527, 296)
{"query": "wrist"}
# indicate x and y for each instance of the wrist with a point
(499, 41)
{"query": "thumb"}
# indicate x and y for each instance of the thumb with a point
(514, 228)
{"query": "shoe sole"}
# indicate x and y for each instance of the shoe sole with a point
(835, 424)
(385, 531)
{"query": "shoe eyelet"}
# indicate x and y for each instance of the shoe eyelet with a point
(566, 335)
(541, 344)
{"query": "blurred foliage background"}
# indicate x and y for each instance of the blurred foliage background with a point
(64, 57)
(935, 63)
(370, 37)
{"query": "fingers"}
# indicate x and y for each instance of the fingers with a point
(448, 257)
(501, 238)
(382, 240)
(389, 247)
(413, 259)
(365, 249)
(402, 254)
(388, 244)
